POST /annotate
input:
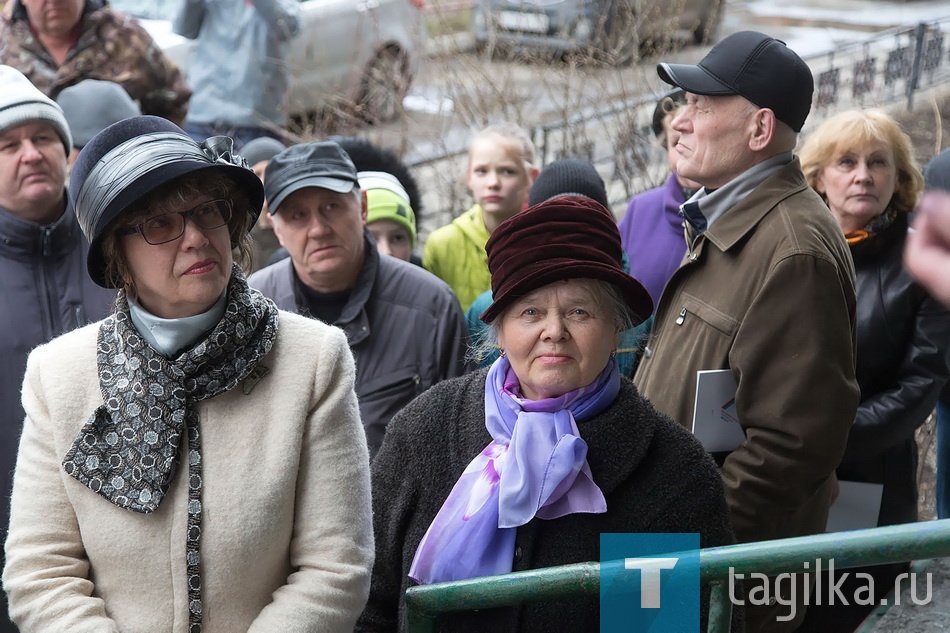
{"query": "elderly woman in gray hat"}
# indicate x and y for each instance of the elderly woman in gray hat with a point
(194, 462)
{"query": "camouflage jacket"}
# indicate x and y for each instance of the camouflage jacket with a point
(112, 47)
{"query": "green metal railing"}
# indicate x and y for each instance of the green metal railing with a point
(874, 546)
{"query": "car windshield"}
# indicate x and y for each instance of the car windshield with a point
(147, 9)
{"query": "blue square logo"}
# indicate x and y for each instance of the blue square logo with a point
(649, 582)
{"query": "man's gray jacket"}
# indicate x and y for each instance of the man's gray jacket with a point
(404, 326)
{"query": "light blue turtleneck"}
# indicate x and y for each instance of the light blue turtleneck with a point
(168, 336)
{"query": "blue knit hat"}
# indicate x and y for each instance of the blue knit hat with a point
(92, 105)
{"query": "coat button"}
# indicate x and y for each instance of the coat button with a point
(518, 554)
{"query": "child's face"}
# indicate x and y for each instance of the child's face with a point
(392, 238)
(264, 220)
(497, 177)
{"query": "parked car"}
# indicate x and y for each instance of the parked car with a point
(359, 55)
(612, 29)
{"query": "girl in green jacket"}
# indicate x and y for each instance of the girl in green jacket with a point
(501, 169)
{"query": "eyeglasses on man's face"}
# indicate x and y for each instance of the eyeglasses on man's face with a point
(168, 227)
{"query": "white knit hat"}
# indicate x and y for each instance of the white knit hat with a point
(21, 102)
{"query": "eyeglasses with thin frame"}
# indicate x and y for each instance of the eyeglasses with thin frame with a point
(168, 227)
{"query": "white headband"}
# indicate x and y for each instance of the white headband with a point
(382, 180)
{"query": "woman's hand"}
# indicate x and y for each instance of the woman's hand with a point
(927, 254)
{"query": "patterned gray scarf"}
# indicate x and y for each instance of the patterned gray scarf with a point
(128, 451)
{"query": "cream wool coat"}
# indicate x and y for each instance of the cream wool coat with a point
(287, 542)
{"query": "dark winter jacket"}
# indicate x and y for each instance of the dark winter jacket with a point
(654, 475)
(902, 365)
(404, 327)
(44, 291)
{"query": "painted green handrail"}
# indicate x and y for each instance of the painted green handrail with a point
(913, 541)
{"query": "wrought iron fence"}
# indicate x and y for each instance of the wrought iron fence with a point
(891, 67)
(884, 70)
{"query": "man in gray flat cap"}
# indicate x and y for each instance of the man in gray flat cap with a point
(404, 325)
(765, 290)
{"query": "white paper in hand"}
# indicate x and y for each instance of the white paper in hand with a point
(856, 508)
(715, 422)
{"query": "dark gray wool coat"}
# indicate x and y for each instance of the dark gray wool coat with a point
(655, 476)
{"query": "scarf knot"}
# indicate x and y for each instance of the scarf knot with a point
(129, 449)
(535, 466)
(875, 226)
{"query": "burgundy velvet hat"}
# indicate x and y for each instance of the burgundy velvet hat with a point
(567, 237)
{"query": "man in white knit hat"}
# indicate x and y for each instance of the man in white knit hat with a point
(44, 287)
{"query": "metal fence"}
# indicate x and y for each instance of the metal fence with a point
(888, 69)
(891, 67)
(915, 541)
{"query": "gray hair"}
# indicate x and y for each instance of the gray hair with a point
(606, 296)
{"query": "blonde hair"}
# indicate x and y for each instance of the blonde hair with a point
(514, 136)
(852, 128)
(173, 195)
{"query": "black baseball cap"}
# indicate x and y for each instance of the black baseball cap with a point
(755, 66)
(325, 165)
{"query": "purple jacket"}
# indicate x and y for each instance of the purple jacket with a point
(652, 235)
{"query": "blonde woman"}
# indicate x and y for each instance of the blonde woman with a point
(861, 163)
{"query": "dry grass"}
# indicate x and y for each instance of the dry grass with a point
(440, 23)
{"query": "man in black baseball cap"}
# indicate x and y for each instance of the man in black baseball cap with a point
(753, 65)
(404, 325)
(765, 290)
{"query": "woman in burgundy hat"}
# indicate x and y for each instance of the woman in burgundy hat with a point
(524, 464)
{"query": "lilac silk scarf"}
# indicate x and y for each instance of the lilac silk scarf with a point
(535, 466)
